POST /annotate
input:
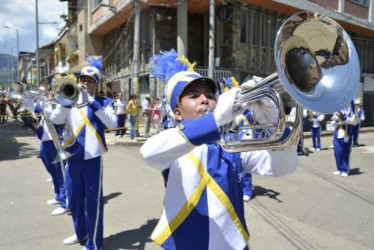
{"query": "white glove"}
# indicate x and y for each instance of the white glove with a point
(224, 113)
(29, 104)
(85, 96)
(250, 83)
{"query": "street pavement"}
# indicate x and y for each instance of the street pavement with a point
(310, 209)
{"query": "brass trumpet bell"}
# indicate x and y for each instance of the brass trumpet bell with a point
(66, 91)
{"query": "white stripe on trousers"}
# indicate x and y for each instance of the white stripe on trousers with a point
(98, 204)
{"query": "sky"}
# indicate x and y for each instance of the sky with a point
(20, 14)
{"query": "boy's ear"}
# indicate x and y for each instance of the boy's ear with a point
(178, 114)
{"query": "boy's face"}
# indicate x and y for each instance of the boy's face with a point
(90, 84)
(194, 98)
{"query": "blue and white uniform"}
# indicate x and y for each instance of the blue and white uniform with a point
(203, 205)
(48, 153)
(316, 129)
(245, 119)
(356, 130)
(343, 137)
(84, 168)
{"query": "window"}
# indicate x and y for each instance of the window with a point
(258, 28)
(361, 2)
(96, 3)
(243, 25)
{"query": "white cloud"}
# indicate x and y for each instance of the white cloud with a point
(20, 14)
(50, 33)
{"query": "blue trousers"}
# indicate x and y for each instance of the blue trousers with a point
(121, 119)
(356, 130)
(84, 187)
(247, 184)
(316, 137)
(132, 126)
(342, 151)
(48, 155)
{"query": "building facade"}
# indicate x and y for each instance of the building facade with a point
(244, 34)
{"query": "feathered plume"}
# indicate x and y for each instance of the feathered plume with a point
(95, 61)
(168, 63)
(226, 84)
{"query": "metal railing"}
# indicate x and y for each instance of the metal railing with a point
(219, 73)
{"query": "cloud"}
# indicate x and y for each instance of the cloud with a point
(50, 33)
(20, 14)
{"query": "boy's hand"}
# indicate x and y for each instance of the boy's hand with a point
(86, 97)
(224, 113)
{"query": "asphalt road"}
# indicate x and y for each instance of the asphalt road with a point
(310, 209)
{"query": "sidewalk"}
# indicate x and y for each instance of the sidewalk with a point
(307, 134)
(112, 140)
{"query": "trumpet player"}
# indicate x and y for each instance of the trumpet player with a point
(343, 121)
(203, 204)
(360, 119)
(48, 153)
(87, 118)
(316, 118)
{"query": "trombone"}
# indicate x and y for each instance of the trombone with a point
(21, 92)
(317, 66)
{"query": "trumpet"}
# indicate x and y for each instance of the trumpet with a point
(66, 91)
(317, 66)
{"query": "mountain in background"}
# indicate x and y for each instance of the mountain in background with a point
(6, 62)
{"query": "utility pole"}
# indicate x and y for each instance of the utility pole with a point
(17, 57)
(211, 39)
(135, 59)
(37, 44)
(182, 28)
(9, 27)
(12, 65)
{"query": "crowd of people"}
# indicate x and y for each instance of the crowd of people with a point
(205, 186)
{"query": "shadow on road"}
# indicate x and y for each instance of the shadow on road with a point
(260, 191)
(12, 144)
(111, 196)
(13, 150)
(355, 171)
(131, 239)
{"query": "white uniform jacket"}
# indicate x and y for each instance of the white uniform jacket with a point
(344, 124)
(316, 119)
(203, 205)
(87, 124)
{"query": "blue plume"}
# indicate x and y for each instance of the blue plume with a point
(165, 65)
(219, 86)
(228, 83)
(95, 61)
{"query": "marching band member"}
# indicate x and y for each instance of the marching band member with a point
(360, 119)
(203, 205)
(245, 119)
(343, 122)
(48, 154)
(316, 118)
(87, 119)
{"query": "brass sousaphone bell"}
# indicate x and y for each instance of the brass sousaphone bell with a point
(317, 65)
